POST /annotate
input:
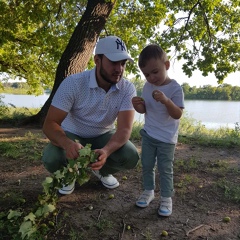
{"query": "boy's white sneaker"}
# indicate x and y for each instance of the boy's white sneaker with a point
(108, 181)
(145, 198)
(165, 208)
(67, 189)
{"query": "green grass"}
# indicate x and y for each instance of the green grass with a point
(193, 132)
(30, 146)
(231, 189)
(13, 115)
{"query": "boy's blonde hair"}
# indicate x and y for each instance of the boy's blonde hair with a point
(151, 51)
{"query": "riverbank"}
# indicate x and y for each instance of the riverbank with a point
(211, 114)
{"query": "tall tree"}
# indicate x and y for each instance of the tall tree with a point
(79, 49)
(204, 33)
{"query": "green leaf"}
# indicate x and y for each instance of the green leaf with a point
(45, 210)
(30, 217)
(27, 229)
(14, 214)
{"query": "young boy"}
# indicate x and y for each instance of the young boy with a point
(162, 103)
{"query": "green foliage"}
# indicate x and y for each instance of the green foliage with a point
(137, 126)
(204, 34)
(33, 37)
(3, 108)
(138, 83)
(28, 226)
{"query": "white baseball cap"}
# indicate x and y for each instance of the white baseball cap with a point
(113, 48)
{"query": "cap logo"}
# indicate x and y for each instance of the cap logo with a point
(120, 44)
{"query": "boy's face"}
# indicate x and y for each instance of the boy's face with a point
(155, 71)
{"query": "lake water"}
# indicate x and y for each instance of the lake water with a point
(213, 114)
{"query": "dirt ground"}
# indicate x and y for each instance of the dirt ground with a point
(199, 204)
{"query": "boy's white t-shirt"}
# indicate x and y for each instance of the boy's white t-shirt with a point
(158, 123)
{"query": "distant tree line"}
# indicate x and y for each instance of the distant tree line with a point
(16, 85)
(208, 92)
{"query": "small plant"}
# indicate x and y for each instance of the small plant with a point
(135, 135)
(231, 190)
(148, 235)
(187, 166)
(103, 225)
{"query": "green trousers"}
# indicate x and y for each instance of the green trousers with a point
(163, 153)
(126, 157)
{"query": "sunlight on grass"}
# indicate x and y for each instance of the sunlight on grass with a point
(193, 132)
(28, 147)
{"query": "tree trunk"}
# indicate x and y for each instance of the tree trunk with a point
(78, 51)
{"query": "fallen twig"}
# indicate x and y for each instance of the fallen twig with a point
(124, 227)
(194, 229)
(100, 213)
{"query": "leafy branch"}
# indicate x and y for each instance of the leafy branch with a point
(30, 224)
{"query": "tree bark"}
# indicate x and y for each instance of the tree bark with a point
(78, 51)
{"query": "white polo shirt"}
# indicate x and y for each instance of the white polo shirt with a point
(91, 111)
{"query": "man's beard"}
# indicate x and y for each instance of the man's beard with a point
(105, 77)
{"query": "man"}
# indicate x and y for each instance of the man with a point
(85, 108)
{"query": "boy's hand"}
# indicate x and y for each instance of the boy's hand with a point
(159, 96)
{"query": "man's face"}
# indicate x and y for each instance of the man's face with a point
(109, 71)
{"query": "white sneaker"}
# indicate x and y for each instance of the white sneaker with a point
(108, 181)
(165, 208)
(67, 189)
(145, 198)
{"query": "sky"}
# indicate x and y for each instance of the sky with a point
(197, 79)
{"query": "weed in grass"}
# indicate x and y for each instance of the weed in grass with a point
(183, 183)
(231, 190)
(12, 199)
(8, 149)
(220, 167)
(75, 235)
(102, 225)
(187, 165)
(148, 235)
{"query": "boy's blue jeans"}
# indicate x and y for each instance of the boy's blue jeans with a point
(153, 149)
(126, 157)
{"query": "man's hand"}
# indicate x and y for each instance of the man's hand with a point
(72, 149)
(101, 160)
